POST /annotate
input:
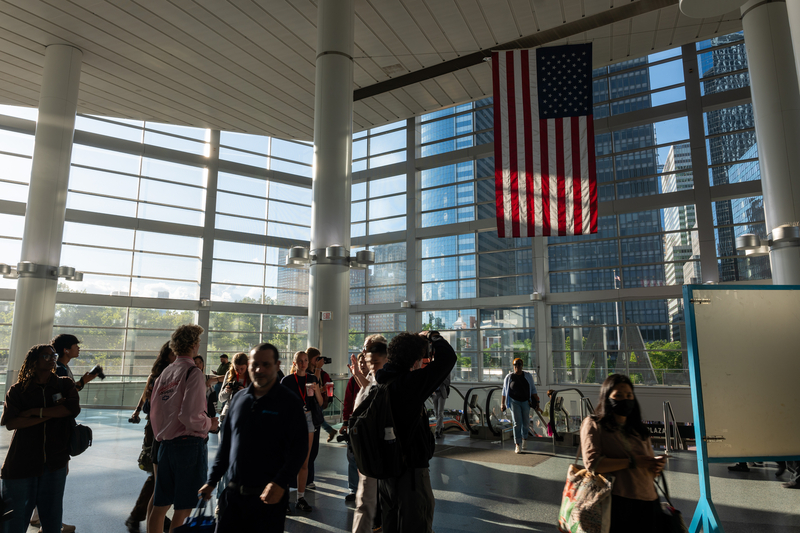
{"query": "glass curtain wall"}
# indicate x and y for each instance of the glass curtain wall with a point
(142, 208)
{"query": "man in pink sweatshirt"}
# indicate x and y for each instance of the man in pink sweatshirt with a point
(180, 425)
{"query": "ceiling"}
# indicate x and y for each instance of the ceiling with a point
(248, 65)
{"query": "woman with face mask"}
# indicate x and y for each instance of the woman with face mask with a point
(615, 441)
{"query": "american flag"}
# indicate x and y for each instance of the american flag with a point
(545, 181)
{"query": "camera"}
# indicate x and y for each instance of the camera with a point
(327, 360)
(343, 438)
(98, 370)
(134, 419)
(234, 385)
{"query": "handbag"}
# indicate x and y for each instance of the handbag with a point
(201, 519)
(80, 438)
(670, 520)
(585, 502)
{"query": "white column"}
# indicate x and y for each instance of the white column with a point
(793, 11)
(329, 280)
(35, 300)
(776, 105)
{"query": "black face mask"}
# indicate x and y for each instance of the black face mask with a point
(622, 407)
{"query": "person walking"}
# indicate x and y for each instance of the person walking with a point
(615, 440)
(264, 420)
(144, 503)
(519, 392)
(40, 408)
(180, 424)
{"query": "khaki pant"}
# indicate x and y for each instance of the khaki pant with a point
(366, 504)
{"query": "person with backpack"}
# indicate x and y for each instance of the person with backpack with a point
(406, 443)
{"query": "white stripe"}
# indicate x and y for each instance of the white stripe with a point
(585, 176)
(551, 159)
(568, 200)
(520, 140)
(537, 156)
(501, 70)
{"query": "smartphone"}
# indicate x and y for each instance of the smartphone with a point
(56, 397)
(662, 456)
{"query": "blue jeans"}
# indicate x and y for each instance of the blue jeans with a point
(520, 414)
(352, 470)
(45, 492)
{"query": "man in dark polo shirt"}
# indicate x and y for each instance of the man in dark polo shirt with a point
(264, 444)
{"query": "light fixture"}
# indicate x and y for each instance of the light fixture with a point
(752, 245)
(30, 269)
(300, 257)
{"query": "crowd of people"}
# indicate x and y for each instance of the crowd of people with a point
(269, 428)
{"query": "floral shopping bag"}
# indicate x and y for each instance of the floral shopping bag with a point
(586, 502)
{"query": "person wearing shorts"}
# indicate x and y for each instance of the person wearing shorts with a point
(180, 425)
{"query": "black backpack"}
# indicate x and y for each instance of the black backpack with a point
(373, 436)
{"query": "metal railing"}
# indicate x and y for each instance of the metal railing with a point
(670, 429)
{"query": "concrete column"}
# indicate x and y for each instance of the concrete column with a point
(544, 335)
(34, 305)
(776, 105)
(329, 279)
(793, 11)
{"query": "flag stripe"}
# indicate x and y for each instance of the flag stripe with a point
(499, 197)
(512, 146)
(527, 229)
(545, 185)
(578, 198)
(537, 162)
(569, 201)
(585, 215)
(522, 169)
(592, 175)
(560, 188)
(552, 175)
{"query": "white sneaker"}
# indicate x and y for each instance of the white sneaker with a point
(516, 449)
(523, 444)
(311, 486)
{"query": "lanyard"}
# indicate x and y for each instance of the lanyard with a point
(301, 389)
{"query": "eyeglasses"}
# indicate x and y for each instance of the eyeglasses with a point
(49, 356)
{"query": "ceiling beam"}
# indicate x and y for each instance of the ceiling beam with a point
(531, 41)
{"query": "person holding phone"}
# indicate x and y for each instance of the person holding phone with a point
(305, 386)
(615, 441)
(68, 348)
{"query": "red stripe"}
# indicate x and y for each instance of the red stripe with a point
(560, 178)
(498, 149)
(592, 174)
(526, 109)
(577, 204)
(545, 177)
(512, 144)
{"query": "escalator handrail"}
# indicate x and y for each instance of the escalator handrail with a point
(553, 404)
(467, 407)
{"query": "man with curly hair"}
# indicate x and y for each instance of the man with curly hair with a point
(407, 501)
(181, 425)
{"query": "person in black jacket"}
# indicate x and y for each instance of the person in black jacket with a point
(264, 443)
(407, 501)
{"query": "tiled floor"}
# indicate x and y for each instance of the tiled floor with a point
(470, 497)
